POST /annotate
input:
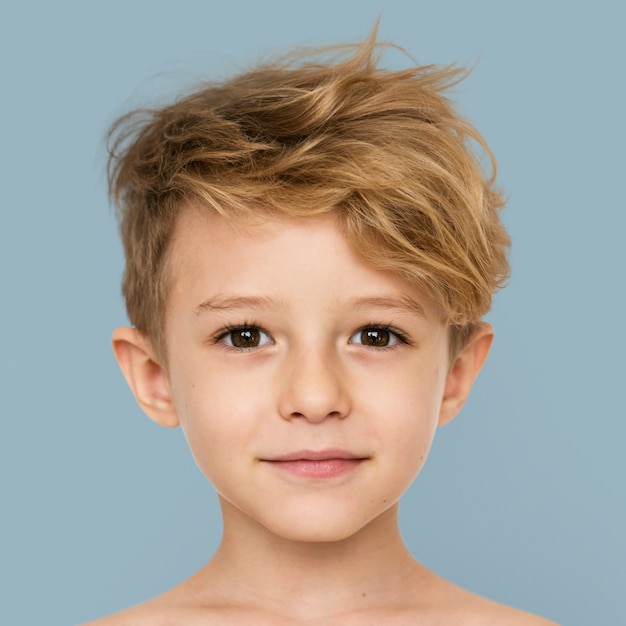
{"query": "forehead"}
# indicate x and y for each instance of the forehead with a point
(234, 244)
(290, 258)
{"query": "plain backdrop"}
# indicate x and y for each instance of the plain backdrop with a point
(523, 497)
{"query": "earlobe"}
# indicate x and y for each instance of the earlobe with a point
(463, 372)
(145, 376)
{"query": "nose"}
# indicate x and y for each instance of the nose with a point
(313, 387)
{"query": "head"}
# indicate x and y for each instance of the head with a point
(310, 247)
(308, 384)
(383, 151)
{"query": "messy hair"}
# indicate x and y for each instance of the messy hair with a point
(330, 131)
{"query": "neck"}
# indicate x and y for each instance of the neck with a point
(255, 567)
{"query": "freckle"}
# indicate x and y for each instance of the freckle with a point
(363, 594)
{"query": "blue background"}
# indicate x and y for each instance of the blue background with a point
(523, 497)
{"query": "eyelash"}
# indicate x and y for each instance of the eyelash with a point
(220, 336)
(395, 332)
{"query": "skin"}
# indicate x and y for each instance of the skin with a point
(281, 342)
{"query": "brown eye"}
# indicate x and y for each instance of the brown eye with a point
(376, 337)
(245, 338)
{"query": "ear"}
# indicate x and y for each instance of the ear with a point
(463, 372)
(145, 376)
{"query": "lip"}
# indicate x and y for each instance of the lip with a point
(318, 455)
(329, 463)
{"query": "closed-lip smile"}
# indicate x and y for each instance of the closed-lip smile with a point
(321, 464)
(317, 455)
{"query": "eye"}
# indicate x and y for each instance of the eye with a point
(376, 337)
(244, 337)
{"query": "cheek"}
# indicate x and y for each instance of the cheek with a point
(411, 417)
(217, 417)
(411, 435)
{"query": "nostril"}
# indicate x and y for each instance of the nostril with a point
(313, 416)
(312, 389)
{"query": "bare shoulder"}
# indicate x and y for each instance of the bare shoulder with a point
(459, 606)
(500, 615)
(140, 615)
(149, 614)
(124, 618)
(163, 610)
(177, 607)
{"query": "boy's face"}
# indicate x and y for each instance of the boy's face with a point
(308, 385)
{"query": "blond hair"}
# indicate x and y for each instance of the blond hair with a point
(332, 132)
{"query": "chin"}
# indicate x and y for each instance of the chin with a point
(320, 525)
(320, 533)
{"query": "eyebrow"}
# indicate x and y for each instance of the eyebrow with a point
(400, 303)
(220, 303)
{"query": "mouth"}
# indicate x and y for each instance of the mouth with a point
(329, 463)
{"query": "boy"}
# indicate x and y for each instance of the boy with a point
(310, 247)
